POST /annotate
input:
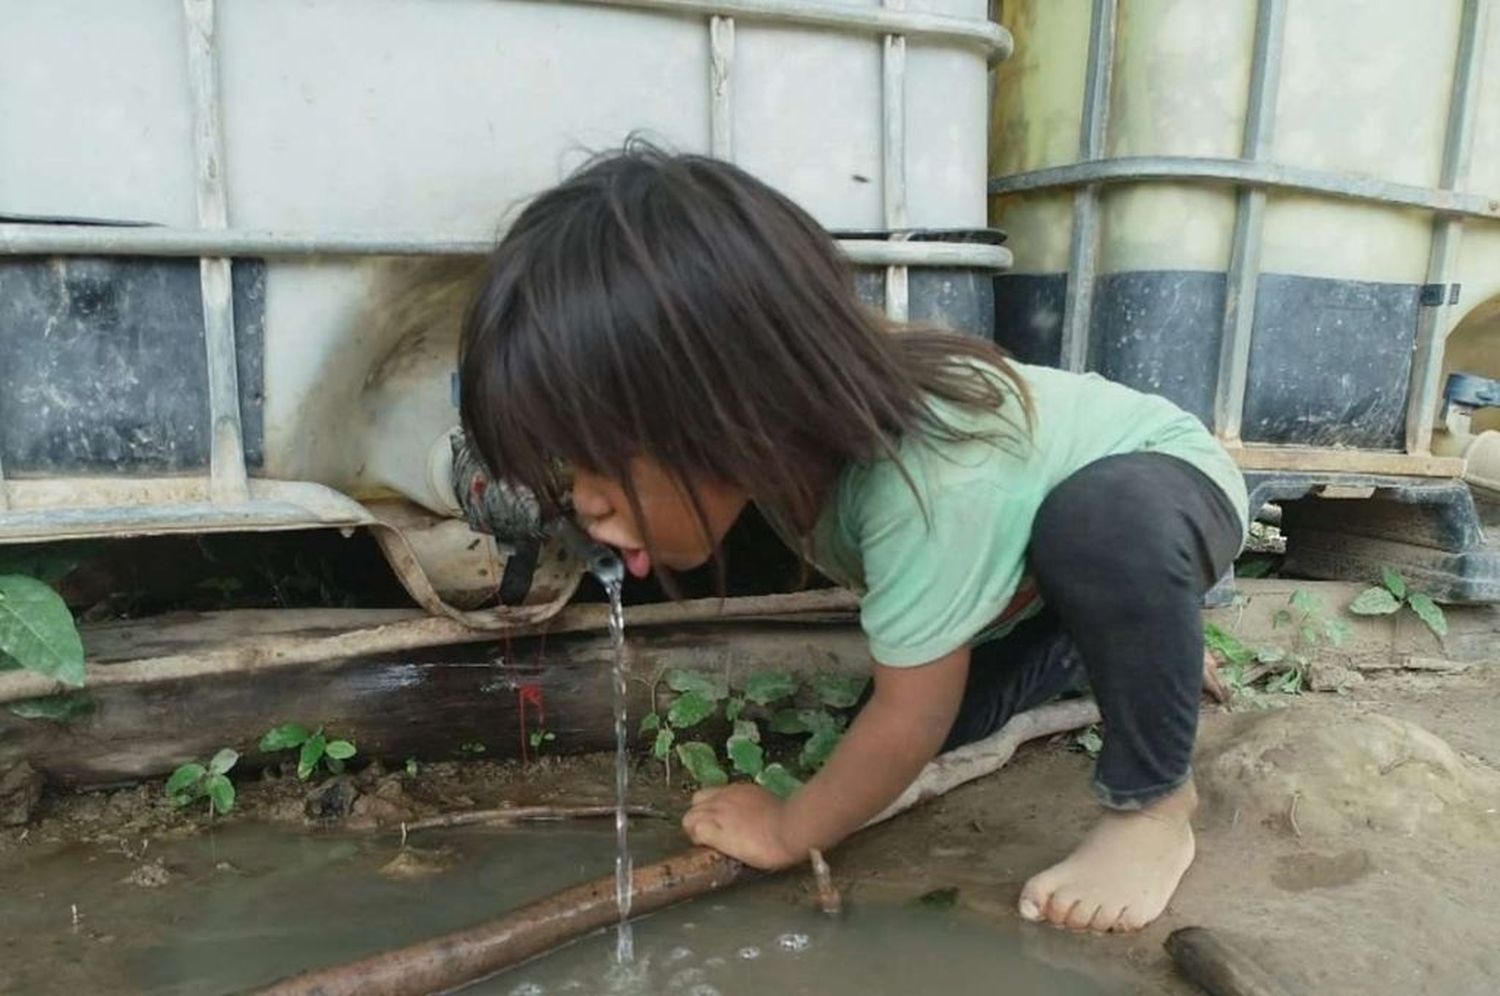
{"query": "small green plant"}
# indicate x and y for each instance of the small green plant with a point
(766, 703)
(412, 767)
(1391, 594)
(194, 781)
(473, 748)
(1284, 668)
(313, 748)
(539, 738)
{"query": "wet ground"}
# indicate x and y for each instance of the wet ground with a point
(245, 904)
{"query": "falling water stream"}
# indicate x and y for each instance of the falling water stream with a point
(624, 939)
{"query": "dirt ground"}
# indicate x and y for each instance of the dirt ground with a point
(1349, 841)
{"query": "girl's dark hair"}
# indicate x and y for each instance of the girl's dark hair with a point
(673, 306)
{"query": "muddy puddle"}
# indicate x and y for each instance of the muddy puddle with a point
(227, 911)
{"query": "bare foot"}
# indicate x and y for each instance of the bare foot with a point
(1123, 873)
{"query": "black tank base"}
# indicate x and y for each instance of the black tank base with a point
(1348, 527)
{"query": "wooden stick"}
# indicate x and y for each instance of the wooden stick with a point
(509, 815)
(1217, 966)
(829, 900)
(452, 960)
(418, 631)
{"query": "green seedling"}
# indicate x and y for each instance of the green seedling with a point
(765, 703)
(412, 767)
(537, 738)
(473, 748)
(313, 748)
(194, 781)
(1284, 668)
(1391, 594)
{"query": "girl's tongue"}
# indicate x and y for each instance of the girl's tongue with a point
(637, 562)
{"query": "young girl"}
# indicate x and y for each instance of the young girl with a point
(677, 339)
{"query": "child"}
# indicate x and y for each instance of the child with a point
(682, 340)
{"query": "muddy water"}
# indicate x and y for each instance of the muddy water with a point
(245, 905)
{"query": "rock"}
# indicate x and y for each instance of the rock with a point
(376, 811)
(1367, 772)
(333, 800)
(20, 791)
(414, 862)
(1331, 676)
(150, 875)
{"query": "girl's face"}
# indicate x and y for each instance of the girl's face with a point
(677, 536)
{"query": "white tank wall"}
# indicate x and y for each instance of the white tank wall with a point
(1364, 90)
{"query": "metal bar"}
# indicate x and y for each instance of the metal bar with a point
(982, 32)
(1083, 246)
(1244, 251)
(1435, 322)
(87, 240)
(720, 100)
(227, 446)
(893, 162)
(1137, 169)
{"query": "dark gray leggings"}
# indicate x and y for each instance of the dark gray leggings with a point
(1122, 553)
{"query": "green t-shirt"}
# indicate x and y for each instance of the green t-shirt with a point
(956, 576)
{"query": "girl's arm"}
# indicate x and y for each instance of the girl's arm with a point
(897, 732)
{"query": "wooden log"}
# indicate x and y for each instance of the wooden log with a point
(1216, 965)
(433, 704)
(453, 960)
(218, 644)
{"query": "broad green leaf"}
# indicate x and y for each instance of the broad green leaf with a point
(283, 737)
(714, 687)
(220, 793)
(1270, 655)
(1375, 601)
(663, 745)
(777, 780)
(819, 747)
(37, 630)
(1338, 631)
(1429, 612)
(184, 778)
(340, 750)
(770, 687)
(58, 708)
(1305, 602)
(803, 721)
(701, 762)
(790, 721)
(650, 723)
(746, 756)
(690, 709)
(1393, 582)
(733, 708)
(840, 691)
(310, 755)
(223, 761)
(1227, 647)
(748, 729)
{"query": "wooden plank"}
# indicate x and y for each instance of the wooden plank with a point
(1310, 459)
(424, 703)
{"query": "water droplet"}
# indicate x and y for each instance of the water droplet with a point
(677, 954)
(749, 953)
(793, 942)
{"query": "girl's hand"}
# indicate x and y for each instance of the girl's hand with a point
(744, 822)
